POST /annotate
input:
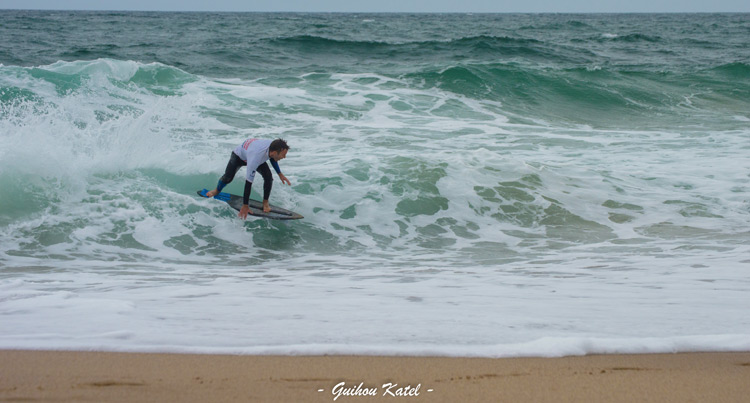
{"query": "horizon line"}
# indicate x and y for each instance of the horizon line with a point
(376, 12)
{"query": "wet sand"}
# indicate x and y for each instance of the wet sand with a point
(141, 377)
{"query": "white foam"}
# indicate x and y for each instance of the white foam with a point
(658, 264)
(118, 70)
(489, 314)
(546, 347)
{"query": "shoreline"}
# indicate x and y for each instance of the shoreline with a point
(42, 375)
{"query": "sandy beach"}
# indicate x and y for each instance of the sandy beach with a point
(136, 377)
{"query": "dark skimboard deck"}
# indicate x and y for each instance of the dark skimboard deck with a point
(276, 213)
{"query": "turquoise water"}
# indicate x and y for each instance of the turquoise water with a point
(476, 180)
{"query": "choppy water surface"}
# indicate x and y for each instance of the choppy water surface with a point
(471, 184)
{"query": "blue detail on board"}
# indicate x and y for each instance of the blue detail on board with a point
(223, 196)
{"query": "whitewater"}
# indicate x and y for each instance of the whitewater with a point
(472, 185)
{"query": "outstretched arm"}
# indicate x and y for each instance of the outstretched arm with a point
(276, 168)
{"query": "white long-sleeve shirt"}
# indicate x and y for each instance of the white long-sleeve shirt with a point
(254, 152)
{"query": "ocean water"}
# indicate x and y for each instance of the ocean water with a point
(472, 185)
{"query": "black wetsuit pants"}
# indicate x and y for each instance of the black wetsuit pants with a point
(235, 163)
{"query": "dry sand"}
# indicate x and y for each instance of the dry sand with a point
(34, 376)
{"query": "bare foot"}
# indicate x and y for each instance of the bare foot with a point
(266, 207)
(212, 193)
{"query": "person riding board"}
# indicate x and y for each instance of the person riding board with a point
(254, 153)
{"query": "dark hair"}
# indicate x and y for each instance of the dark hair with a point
(278, 145)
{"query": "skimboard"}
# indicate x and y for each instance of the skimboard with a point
(256, 207)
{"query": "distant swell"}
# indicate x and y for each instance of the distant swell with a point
(472, 40)
(481, 46)
(737, 70)
(605, 95)
(632, 38)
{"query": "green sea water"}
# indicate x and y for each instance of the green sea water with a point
(444, 129)
(494, 177)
